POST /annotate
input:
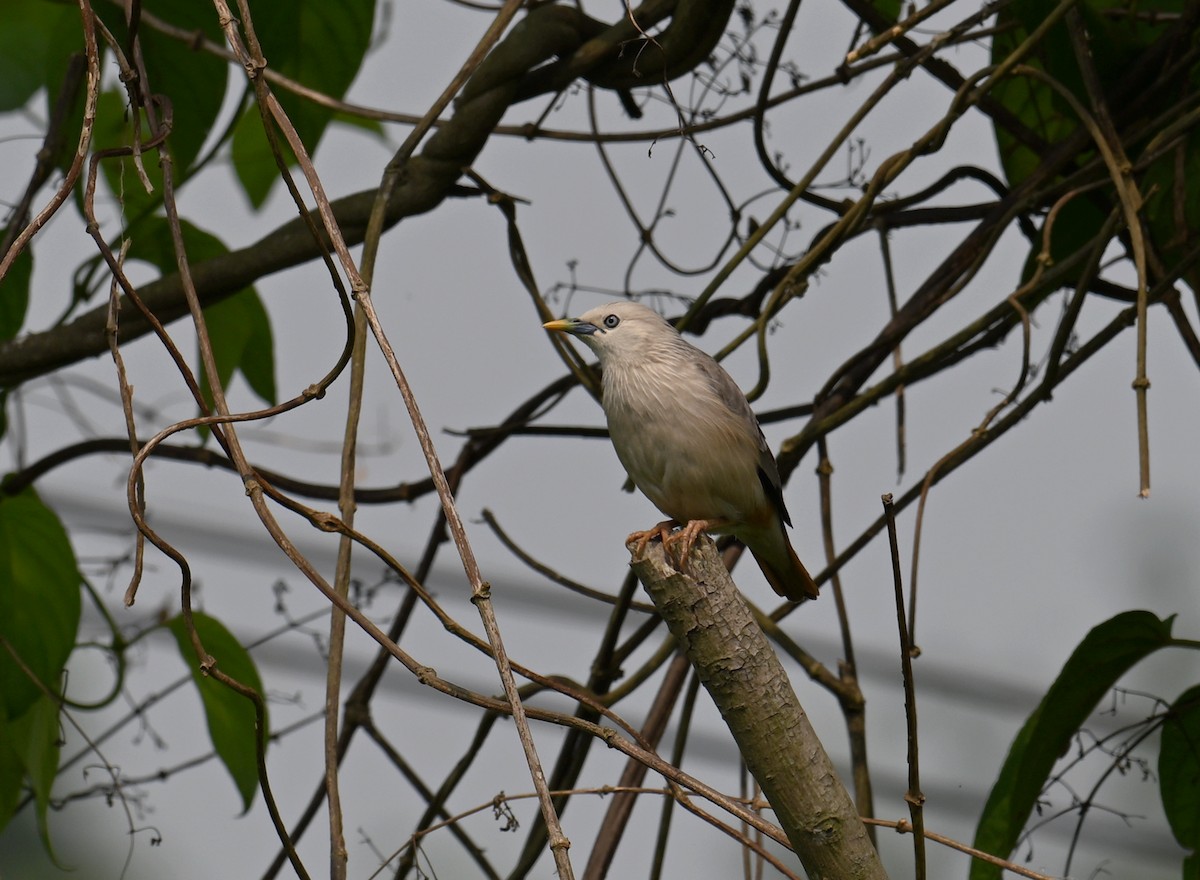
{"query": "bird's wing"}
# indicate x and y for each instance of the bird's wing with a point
(733, 398)
(726, 389)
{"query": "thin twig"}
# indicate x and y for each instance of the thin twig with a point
(1130, 198)
(903, 827)
(914, 796)
(480, 590)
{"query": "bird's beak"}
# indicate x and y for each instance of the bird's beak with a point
(571, 325)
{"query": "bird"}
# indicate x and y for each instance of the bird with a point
(689, 440)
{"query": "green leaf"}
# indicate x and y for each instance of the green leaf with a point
(238, 327)
(32, 42)
(1172, 187)
(318, 43)
(231, 717)
(1105, 654)
(240, 332)
(14, 293)
(252, 158)
(12, 773)
(114, 128)
(1078, 222)
(1034, 103)
(1047, 115)
(151, 242)
(36, 41)
(39, 600)
(65, 55)
(35, 739)
(1115, 48)
(1179, 769)
(889, 9)
(193, 81)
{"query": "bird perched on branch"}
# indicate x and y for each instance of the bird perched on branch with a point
(687, 437)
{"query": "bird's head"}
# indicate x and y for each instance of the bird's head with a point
(618, 330)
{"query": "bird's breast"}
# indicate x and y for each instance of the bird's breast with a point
(683, 447)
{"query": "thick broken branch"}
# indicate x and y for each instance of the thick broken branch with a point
(738, 668)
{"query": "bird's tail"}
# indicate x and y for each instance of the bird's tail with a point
(783, 569)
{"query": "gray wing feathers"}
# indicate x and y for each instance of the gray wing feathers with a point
(727, 390)
(733, 398)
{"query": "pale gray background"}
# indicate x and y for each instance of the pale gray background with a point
(1024, 549)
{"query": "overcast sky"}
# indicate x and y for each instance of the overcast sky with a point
(1024, 549)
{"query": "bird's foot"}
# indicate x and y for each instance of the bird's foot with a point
(686, 537)
(662, 531)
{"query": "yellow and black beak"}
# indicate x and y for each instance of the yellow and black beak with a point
(574, 326)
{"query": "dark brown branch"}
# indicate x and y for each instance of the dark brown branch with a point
(612, 828)
(429, 178)
(914, 797)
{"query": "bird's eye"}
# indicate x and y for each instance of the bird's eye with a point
(611, 321)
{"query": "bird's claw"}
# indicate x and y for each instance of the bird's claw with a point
(683, 540)
(662, 531)
(678, 543)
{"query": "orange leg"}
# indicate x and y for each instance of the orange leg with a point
(661, 531)
(687, 537)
